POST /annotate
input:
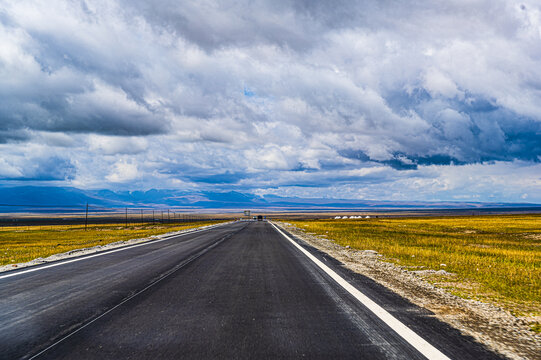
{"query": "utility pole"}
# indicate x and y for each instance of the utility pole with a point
(126, 218)
(152, 217)
(86, 216)
(168, 218)
(142, 222)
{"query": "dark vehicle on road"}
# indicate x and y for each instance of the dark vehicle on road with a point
(259, 217)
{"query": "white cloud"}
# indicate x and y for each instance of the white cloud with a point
(436, 83)
(8, 170)
(123, 171)
(281, 92)
(113, 145)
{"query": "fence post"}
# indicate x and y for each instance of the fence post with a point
(86, 216)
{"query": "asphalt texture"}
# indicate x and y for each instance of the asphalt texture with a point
(238, 291)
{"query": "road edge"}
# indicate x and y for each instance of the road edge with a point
(420, 344)
(95, 251)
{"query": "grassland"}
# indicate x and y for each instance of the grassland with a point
(21, 244)
(494, 258)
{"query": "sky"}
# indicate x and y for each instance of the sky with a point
(375, 99)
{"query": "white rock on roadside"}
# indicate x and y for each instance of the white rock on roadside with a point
(370, 252)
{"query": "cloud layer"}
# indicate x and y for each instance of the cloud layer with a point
(361, 99)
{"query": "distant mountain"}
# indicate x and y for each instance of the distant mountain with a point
(36, 198)
(47, 198)
(273, 200)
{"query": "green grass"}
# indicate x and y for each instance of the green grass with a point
(498, 258)
(21, 244)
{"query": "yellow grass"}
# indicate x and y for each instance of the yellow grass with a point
(498, 258)
(21, 244)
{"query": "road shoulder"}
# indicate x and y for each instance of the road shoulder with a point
(493, 327)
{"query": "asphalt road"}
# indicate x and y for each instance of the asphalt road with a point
(235, 291)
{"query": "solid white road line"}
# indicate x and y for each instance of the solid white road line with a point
(105, 252)
(406, 333)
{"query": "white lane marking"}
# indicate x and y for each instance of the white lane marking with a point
(406, 333)
(107, 252)
(171, 272)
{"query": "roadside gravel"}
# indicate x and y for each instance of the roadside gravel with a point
(490, 325)
(94, 249)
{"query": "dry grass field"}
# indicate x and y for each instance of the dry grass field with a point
(491, 258)
(21, 244)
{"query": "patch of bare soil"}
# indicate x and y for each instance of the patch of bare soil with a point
(534, 236)
(492, 326)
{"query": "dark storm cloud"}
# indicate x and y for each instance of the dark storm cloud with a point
(58, 116)
(212, 25)
(54, 168)
(474, 130)
(253, 93)
(59, 83)
(44, 169)
(7, 136)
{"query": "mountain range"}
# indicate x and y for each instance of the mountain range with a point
(49, 198)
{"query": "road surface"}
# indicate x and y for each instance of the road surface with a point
(241, 290)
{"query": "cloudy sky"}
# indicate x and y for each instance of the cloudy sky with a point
(373, 99)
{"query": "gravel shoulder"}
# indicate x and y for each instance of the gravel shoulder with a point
(490, 325)
(95, 249)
